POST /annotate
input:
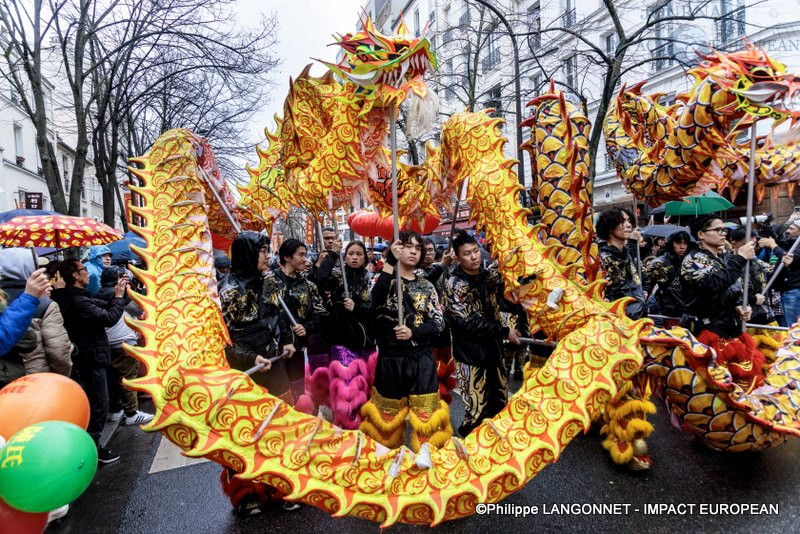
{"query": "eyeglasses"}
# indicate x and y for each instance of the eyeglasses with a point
(81, 269)
(720, 230)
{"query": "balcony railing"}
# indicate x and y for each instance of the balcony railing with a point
(491, 60)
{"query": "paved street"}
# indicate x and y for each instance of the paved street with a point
(154, 489)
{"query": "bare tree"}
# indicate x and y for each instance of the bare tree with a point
(135, 69)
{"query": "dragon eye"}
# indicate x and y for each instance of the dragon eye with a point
(761, 72)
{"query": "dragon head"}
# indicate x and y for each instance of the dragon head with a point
(384, 68)
(759, 85)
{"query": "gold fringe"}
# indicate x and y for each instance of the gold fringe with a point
(619, 457)
(390, 433)
(436, 431)
(393, 441)
(632, 407)
(635, 428)
(438, 419)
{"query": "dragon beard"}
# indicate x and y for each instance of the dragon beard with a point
(421, 113)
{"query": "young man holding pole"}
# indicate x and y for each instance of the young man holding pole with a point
(405, 375)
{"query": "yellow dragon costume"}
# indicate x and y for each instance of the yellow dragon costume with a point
(211, 411)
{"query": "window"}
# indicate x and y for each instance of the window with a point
(664, 49)
(416, 23)
(535, 26)
(449, 93)
(570, 67)
(667, 100)
(14, 94)
(464, 19)
(612, 40)
(609, 165)
(494, 101)
(19, 147)
(432, 17)
(569, 17)
(731, 25)
(538, 82)
(492, 57)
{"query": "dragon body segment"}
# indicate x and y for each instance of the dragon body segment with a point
(559, 152)
(664, 154)
(345, 472)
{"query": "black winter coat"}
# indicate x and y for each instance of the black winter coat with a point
(86, 319)
(619, 269)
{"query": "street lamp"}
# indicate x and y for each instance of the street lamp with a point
(518, 90)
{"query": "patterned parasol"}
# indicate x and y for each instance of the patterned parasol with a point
(59, 231)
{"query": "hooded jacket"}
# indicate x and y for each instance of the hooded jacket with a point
(619, 269)
(472, 309)
(255, 329)
(53, 349)
(95, 267)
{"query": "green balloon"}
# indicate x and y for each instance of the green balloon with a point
(46, 465)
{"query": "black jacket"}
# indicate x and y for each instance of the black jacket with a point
(619, 269)
(665, 272)
(472, 309)
(789, 278)
(86, 319)
(422, 314)
(350, 329)
(301, 297)
(712, 288)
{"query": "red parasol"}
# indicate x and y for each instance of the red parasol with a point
(59, 231)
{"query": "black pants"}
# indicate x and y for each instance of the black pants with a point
(93, 379)
(400, 374)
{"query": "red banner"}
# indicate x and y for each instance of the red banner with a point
(309, 230)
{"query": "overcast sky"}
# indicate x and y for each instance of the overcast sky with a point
(305, 31)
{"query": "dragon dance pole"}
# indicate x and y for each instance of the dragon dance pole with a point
(779, 268)
(341, 258)
(395, 211)
(749, 225)
(638, 250)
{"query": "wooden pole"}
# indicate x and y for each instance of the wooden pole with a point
(395, 212)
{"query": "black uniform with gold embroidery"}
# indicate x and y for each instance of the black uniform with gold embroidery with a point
(712, 288)
(472, 309)
(619, 269)
(303, 300)
(406, 367)
(405, 375)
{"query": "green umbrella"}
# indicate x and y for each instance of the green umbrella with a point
(709, 202)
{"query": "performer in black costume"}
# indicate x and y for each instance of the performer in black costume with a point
(405, 376)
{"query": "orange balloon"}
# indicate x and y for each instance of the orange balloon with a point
(41, 397)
